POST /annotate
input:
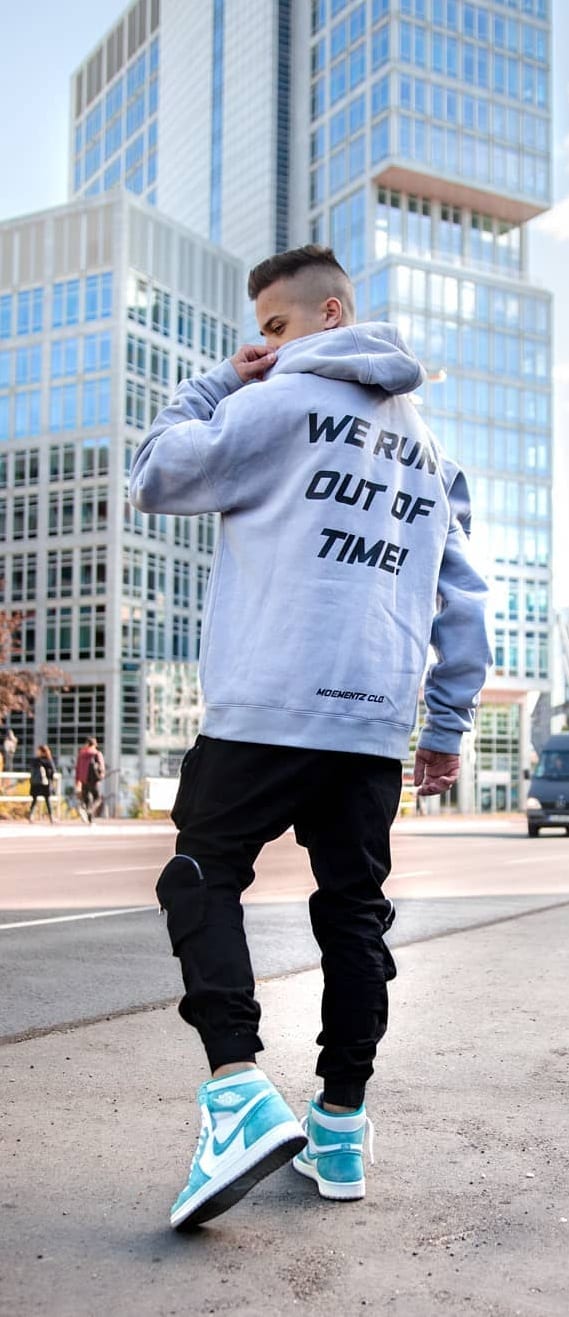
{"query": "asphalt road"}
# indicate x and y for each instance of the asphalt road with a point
(81, 938)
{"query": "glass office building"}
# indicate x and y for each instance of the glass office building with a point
(414, 137)
(188, 105)
(114, 125)
(429, 149)
(104, 306)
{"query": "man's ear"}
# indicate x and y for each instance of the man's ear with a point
(333, 311)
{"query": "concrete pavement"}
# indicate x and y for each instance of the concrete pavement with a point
(467, 1209)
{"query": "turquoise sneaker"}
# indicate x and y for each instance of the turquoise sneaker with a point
(334, 1153)
(247, 1132)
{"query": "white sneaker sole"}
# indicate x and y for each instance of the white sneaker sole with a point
(269, 1152)
(329, 1188)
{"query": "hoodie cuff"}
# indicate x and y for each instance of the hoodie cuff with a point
(445, 743)
(224, 379)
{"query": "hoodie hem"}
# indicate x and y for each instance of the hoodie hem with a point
(304, 730)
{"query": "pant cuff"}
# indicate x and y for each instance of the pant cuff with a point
(227, 1051)
(344, 1094)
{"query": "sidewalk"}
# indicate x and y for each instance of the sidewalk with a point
(411, 825)
(467, 1206)
(74, 827)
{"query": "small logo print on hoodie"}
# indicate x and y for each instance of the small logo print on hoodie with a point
(330, 694)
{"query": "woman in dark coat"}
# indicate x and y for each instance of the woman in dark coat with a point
(42, 769)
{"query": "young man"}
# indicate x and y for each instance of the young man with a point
(342, 525)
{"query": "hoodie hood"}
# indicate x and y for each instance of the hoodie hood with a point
(372, 354)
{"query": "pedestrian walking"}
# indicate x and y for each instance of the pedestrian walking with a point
(342, 554)
(10, 745)
(89, 774)
(42, 771)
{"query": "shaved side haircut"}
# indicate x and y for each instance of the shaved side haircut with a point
(315, 269)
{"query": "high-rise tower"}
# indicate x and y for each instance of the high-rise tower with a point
(414, 136)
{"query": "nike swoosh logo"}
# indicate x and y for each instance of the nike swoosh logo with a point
(236, 1123)
(214, 1150)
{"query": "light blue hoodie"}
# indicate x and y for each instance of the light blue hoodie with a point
(342, 549)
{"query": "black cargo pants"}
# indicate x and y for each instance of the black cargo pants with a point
(233, 797)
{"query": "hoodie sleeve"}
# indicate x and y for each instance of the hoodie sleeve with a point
(458, 637)
(169, 472)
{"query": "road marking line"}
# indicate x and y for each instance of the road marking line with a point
(69, 919)
(412, 873)
(119, 868)
(531, 859)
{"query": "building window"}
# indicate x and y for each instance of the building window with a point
(182, 532)
(136, 355)
(6, 359)
(228, 340)
(113, 138)
(24, 577)
(91, 631)
(208, 338)
(30, 311)
(28, 365)
(96, 401)
(97, 354)
(27, 413)
(72, 716)
(94, 458)
(65, 306)
(62, 462)
(93, 510)
(64, 357)
(155, 636)
(137, 299)
(185, 323)
(6, 316)
(181, 583)
(61, 509)
(161, 312)
(347, 221)
(317, 98)
(206, 533)
(93, 570)
(114, 99)
(159, 365)
(112, 175)
(25, 517)
(59, 573)
(98, 296)
(132, 573)
(26, 467)
(181, 636)
(135, 405)
(135, 114)
(63, 407)
(130, 713)
(92, 160)
(202, 578)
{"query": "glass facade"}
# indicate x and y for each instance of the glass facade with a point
(86, 360)
(115, 124)
(429, 149)
(216, 120)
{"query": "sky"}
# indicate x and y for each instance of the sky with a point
(43, 41)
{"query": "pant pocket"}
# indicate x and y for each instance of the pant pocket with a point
(182, 892)
(180, 814)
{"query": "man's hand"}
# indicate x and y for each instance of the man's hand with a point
(435, 772)
(253, 361)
